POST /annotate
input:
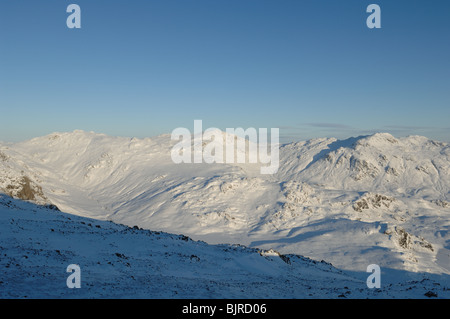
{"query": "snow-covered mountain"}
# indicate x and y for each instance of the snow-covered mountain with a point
(367, 200)
(39, 243)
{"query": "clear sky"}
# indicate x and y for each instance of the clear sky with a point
(142, 68)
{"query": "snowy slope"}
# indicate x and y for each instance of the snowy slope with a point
(364, 200)
(38, 243)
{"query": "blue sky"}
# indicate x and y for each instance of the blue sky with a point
(143, 68)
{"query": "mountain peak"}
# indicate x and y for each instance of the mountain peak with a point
(377, 139)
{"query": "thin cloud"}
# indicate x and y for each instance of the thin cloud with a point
(303, 126)
(407, 127)
(330, 125)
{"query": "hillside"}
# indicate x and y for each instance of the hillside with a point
(38, 243)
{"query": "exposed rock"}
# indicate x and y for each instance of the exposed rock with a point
(25, 189)
(369, 200)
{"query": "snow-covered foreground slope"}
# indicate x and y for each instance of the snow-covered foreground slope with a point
(38, 243)
(366, 200)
